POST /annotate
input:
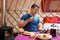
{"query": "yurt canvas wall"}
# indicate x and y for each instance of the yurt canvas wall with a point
(16, 8)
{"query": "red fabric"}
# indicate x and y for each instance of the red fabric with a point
(53, 19)
(47, 19)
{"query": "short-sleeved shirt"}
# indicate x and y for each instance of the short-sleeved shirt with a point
(31, 26)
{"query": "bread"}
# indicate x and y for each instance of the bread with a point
(32, 35)
(21, 30)
(26, 33)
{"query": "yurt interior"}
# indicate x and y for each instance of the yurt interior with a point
(12, 12)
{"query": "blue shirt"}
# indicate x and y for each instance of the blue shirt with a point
(31, 26)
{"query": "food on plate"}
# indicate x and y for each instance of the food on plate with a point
(26, 33)
(21, 30)
(32, 34)
(44, 36)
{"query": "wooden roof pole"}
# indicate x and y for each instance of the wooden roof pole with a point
(22, 6)
(34, 1)
(10, 4)
(51, 7)
(44, 10)
(29, 5)
(43, 7)
(16, 8)
(58, 8)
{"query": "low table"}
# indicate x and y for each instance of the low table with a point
(24, 37)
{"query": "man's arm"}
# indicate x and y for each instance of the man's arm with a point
(22, 23)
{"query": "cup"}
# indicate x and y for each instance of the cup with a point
(53, 32)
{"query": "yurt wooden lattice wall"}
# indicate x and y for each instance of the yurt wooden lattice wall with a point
(16, 8)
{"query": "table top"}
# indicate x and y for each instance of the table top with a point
(24, 37)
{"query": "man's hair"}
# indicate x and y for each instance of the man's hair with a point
(34, 5)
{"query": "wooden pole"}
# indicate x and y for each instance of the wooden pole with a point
(34, 1)
(58, 8)
(16, 8)
(4, 12)
(22, 6)
(10, 4)
(51, 7)
(29, 5)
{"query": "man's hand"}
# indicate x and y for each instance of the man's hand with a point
(40, 29)
(30, 19)
(22, 23)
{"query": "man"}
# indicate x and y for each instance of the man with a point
(30, 22)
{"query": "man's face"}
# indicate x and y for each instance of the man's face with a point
(35, 10)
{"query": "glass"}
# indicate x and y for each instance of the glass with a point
(53, 32)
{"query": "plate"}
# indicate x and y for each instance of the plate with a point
(44, 36)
